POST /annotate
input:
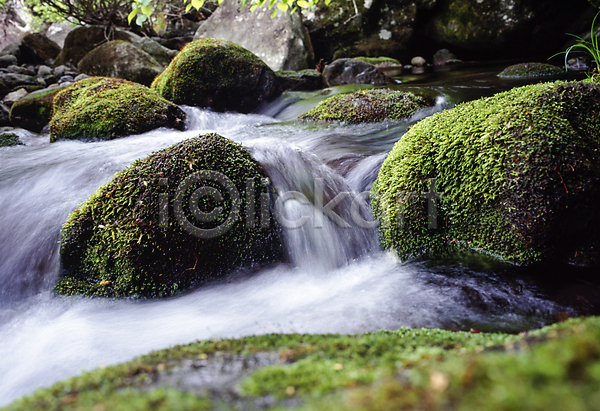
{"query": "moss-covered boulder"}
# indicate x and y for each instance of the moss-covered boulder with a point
(173, 220)
(217, 74)
(367, 106)
(516, 175)
(8, 139)
(105, 108)
(303, 80)
(528, 70)
(34, 111)
(121, 59)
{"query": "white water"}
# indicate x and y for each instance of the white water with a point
(337, 281)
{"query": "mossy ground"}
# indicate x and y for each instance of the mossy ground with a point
(526, 70)
(130, 240)
(9, 139)
(367, 106)
(518, 174)
(217, 74)
(105, 108)
(557, 367)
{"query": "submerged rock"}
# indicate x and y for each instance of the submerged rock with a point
(527, 70)
(8, 139)
(168, 222)
(122, 60)
(351, 71)
(516, 175)
(367, 106)
(105, 108)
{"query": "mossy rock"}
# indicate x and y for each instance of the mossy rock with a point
(121, 59)
(519, 174)
(105, 108)
(217, 74)
(379, 61)
(10, 139)
(528, 70)
(367, 106)
(136, 236)
(303, 80)
(34, 111)
(554, 368)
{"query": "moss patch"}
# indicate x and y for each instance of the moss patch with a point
(367, 106)
(9, 139)
(519, 173)
(217, 74)
(139, 235)
(34, 111)
(527, 70)
(379, 61)
(556, 367)
(106, 108)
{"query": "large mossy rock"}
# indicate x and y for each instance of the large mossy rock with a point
(82, 40)
(367, 106)
(34, 111)
(217, 74)
(121, 59)
(530, 70)
(105, 108)
(282, 42)
(517, 175)
(142, 234)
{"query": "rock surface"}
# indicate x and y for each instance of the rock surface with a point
(531, 70)
(281, 42)
(136, 238)
(121, 59)
(106, 108)
(217, 74)
(350, 71)
(367, 106)
(36, 48)
(516, 175)
(34, 111)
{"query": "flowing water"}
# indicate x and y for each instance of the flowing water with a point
(336, 280)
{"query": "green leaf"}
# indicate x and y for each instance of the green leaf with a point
(197, 4)
(274, 13)
(147, 10)
(141, 18)
(282, 6)
(188, 7)
(302, 4)
(133, 13)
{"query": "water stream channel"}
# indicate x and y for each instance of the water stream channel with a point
(336, 281)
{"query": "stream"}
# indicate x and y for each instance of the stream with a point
(335, 281)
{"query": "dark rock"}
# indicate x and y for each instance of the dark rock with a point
(120, 59)
(367, 106)
(8, 60)
(304, 80)
(12, 80)
(82, 40)
(158, 248)
(36, 48)
(350, 71)
(9, 139)
(4, 115)
(105, 108)
(33, 111)
(4, 89)
(66, 79)
(44, 71)
(281, 42)
(217, 74)
(161, 54)
(445, 57)
(21, 70)
(418, 61)
(12, 49)
(515, 175)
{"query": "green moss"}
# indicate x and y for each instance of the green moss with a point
(106, 108)
(379, 61)
(9, 139)
(519, 172)
(34, 111)
(527, 70)
(367, 106)
(556, 367)
(217, 74)
(130, 238)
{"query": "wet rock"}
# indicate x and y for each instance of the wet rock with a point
(61, 70)
(12, 49)
(515, 175)
(82, 40)
(44, 71)
(13, 80)
(445, 57)
(14, 96)
(217, 74)
(4, 115)
(120, 59)
(531, 70)
(418, 61)
(303, 80)
(281, 42)
(4, 89)
(27, 71)
(141, 256)
(33, 111)
(66, 79)
(81, 77)
(578, 64)
(8, 139)
(105, 108)
(350, 71)
(161, 54)
(367, 106)
(36, 48)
